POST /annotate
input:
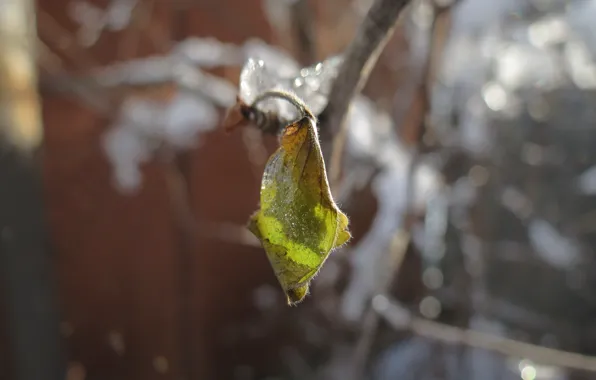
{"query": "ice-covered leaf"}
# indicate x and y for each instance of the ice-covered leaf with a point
(298, 222)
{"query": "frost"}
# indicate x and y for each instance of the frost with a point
(265, 67)
(208, 52)
(312, 84)
(371, 135)
(173, 68)
(136, 71)
(93, 20)
(126, 151)
(144, 125)
(185, 117)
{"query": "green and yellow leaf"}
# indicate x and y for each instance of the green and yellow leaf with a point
(298, 222)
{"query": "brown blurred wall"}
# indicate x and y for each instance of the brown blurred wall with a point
(119, 256)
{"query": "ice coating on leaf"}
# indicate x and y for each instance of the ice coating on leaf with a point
(256, 77)
(298, 222)
(312, 84)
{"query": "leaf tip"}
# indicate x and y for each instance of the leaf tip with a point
(296, 295)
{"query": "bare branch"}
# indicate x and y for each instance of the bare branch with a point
(401, 319)
(361, 56)
(56, 34)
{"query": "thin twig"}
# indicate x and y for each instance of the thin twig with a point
(51, 30)
(88, 92)
(178, 191)
(144, 72)
(401, 319)
(411, 101)
(47, 59)
(360, 58)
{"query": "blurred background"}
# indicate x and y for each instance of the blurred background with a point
(468, 175)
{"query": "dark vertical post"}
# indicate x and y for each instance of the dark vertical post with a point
(25, 265)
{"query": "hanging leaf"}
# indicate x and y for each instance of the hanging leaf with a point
(298, 222)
